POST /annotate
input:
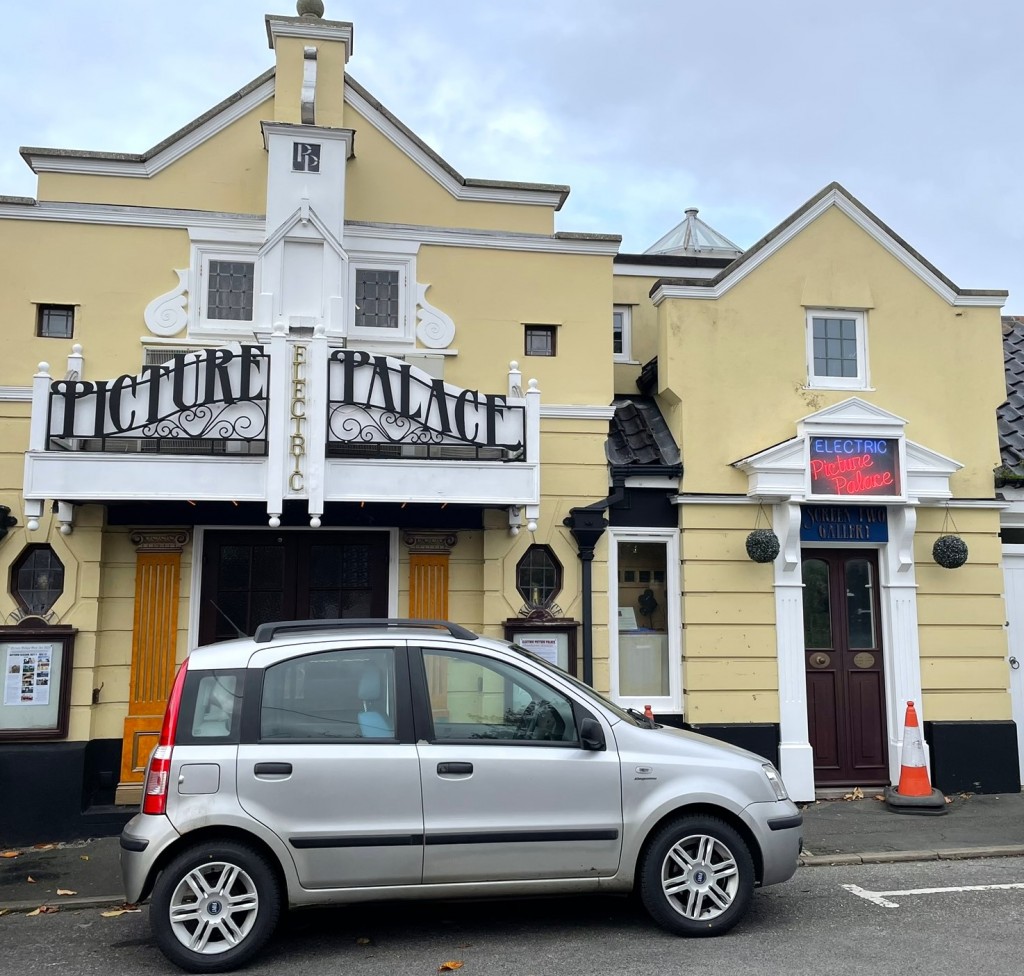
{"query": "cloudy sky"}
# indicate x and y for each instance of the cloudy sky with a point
(743, 108)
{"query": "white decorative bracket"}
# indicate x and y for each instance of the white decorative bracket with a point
(434, 329)
(168, 314)
(66, 517)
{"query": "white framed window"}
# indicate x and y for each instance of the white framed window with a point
(380, 306)
(645, 626)
(837, 355)
(225, 287)
(622, 327)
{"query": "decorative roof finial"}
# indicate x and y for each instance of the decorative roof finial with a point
(310, 8)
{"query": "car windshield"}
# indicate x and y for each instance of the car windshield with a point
(581, 686)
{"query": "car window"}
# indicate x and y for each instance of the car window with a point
(211, 707)
(476, 698)
(332, 695)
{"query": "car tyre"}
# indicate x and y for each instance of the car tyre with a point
(696, 876)
(214, 906)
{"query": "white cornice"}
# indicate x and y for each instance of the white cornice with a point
(312, 29)
(249, 225)
(467, 237)
(662, 271)
(863, 220)
(560, 411)
(541, 197)
(16, 394)
(113, 166)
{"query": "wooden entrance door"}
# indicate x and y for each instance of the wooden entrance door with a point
(250, 578)
(843, 654)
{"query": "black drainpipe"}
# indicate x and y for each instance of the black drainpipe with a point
(587, 525)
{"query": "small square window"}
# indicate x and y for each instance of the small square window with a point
(229, 290)
(377, 298)
(540, 340)
(836, 350)
(55, 321)
(622, 316)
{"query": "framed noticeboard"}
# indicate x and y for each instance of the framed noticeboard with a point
(36, 693)
(553, 639)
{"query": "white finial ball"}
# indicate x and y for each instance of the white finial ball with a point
(310, 8)
(531, 526)
(514, 530)
(32, 525)
(65, 529)
(274, 522)
(315, 522)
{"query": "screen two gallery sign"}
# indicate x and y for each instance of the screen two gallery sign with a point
(857, 466)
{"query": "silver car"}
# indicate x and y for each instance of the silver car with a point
(325, 762)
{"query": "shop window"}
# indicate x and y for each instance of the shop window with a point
(646, 642)
(55, 321)
(836, 350)
(540, 340)
(538, 576)
(622, 327)
(37, 579)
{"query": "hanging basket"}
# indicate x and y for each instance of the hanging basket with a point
(762, 545)
(950, 551)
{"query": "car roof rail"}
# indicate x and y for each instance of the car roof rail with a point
(266, 632)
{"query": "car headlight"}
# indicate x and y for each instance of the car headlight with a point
(776, 780)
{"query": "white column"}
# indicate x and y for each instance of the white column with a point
(795, 755)
(900, 644)
(277, 424)
(316, 419)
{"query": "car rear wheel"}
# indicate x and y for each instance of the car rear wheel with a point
(215, 906)
(697, 877)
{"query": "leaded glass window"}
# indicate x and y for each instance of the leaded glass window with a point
(377, 298)
(538, 576)
(229, 290)
(37, 579)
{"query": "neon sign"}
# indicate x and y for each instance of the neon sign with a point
(854, 466)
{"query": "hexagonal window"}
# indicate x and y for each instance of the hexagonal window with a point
(37, 579)
(538, 576)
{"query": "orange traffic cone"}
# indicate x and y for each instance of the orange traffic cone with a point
(914, 793)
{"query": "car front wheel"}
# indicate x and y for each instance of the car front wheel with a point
(215, 906)
(697, 877)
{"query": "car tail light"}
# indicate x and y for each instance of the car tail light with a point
(154, 795)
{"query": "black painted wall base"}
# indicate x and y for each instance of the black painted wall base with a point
(53, 791)
(974, 757)
(762, 739)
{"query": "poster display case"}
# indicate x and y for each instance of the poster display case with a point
(37, 663)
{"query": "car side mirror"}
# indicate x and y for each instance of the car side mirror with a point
(592, 735)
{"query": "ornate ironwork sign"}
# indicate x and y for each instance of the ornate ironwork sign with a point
(377, 401)
(215, 395)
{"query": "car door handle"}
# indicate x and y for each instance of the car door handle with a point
(273, 769)
(454, 768)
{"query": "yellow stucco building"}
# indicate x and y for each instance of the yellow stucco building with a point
(290, 363)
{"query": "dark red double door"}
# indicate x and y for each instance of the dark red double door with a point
(843, 656)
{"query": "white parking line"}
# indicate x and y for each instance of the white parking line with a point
(882, 897)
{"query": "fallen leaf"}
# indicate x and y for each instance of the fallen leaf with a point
(10, 853)
(948, 799)
(114, 912)
(447, 967)
(43, 847)
(880, 798)
(45, 910)
(362, 940)
(66, 891)
(4, 911)
(30, 879)
(83, 857)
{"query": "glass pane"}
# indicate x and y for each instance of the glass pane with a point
(267, 567)
(336, 695)
(39, 579)
(233, 571)
(643, 620)
(480, 700)
(215, 706)
(537, 576)
(817, 604)
(860, 603)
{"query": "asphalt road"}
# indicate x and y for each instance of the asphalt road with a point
(814, 924)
